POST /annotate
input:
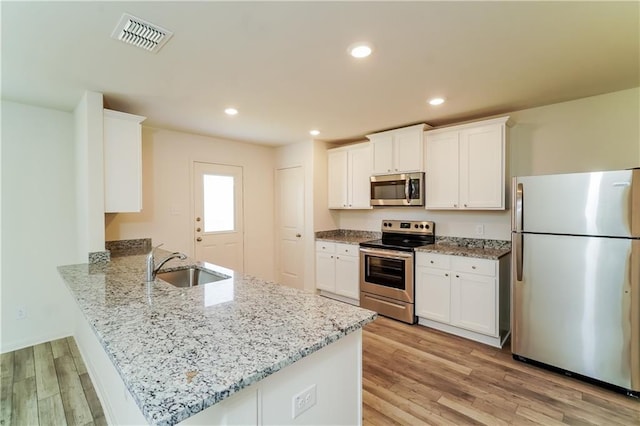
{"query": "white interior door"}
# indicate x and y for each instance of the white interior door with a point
(290, 222)
(218, 215)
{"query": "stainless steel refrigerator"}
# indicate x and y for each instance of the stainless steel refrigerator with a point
(576, 274)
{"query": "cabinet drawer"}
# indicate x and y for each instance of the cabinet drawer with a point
(347, 249)
(325, 247)
(474, 265)
(431, 260)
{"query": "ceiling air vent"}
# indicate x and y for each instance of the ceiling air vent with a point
(141, 33)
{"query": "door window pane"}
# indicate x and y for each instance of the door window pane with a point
(219, 212)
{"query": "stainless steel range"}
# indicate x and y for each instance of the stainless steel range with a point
(387, 268)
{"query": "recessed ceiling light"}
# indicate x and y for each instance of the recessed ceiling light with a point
(360, 50)
(314, 132)
(436, 101)
(231, 111)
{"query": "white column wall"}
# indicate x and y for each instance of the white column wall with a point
(89, 154)
(38, 223)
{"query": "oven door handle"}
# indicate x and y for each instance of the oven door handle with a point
(389, 254)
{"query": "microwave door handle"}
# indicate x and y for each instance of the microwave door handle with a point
(407, 190)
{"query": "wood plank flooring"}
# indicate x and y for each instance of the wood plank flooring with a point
(48, 384)
(413, 375)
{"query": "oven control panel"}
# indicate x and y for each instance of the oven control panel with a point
(408, 227)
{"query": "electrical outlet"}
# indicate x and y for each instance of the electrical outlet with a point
(21, 312)
(304, 400)
(480, 230)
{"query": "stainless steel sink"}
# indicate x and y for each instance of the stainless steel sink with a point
(190, 277)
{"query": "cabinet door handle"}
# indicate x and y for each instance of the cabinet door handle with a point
(431, 261)
(199, 239)
(446, 275)
(457, 276)
(473, 267)
(465, 205)
(455, 205)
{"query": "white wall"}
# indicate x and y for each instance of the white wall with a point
(590, 134)
(38, 223)
(89, 163)
(167, 211)
(595, 133)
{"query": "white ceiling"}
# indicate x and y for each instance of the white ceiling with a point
(285, 66)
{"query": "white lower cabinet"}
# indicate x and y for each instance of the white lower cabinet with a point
(338, 270)
(465, 296)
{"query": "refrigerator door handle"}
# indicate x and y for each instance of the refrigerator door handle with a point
(518, 241)
(518, 210)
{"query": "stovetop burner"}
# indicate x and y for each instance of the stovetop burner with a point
(403, 235)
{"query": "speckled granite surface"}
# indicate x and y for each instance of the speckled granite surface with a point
(347, 236)
(128, 247)
(468, 247)
(181, 350)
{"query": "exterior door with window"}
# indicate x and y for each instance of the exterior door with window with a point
(218, 215)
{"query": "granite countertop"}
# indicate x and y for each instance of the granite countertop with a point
(347, 236)
(181, 350)
(456, 250)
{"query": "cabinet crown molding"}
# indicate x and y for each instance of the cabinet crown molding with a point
(422, 126)
(123, 115)
(506, 120)
(350, 146)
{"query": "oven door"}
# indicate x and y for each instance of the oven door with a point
(387, 273)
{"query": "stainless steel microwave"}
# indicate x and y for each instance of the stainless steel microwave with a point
(405, 189)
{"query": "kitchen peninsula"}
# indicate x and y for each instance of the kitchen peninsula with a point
(239, 350)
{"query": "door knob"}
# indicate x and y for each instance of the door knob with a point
(199, 239)
(298, 235)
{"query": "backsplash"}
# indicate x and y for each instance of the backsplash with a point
(100, 257)
(128, 247)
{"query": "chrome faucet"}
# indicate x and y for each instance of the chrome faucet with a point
(152, 270)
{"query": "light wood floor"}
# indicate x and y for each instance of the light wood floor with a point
(414, 375)
(48, 384)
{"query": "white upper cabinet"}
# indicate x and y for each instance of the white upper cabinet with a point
(349, 170)
(399, 150)
(466, 166)
(122, 162)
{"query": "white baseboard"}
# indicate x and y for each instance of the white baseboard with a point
(496, 342)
